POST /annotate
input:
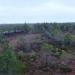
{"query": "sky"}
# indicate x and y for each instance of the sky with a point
(37, 11)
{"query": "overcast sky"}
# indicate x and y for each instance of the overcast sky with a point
(32, 11)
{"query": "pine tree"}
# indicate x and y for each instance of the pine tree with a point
(9, 64)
